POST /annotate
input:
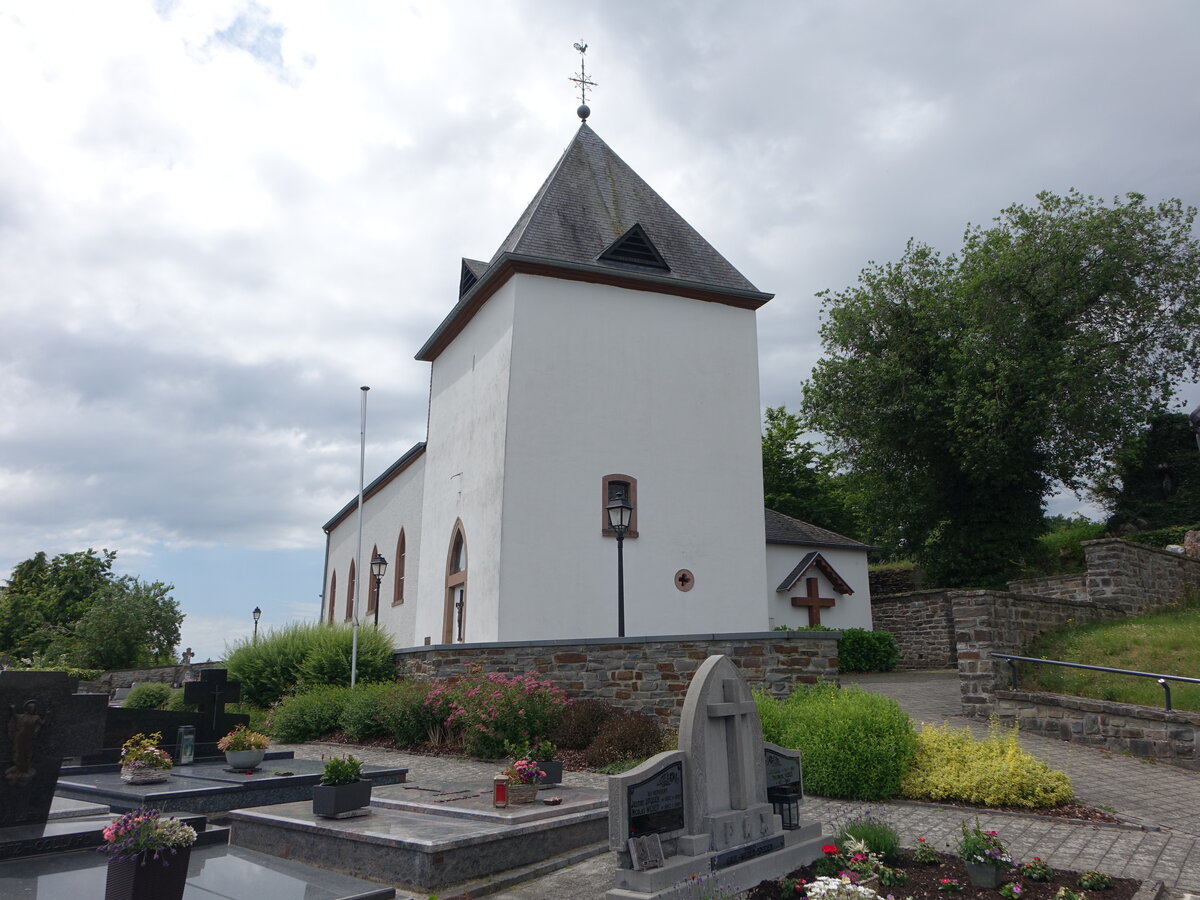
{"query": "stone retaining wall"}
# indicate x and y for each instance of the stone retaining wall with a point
(122, 678)
(1121, 727)
(647, 674)
(1136, 577)
(1059, 587)
(987, 622)
(922, 623)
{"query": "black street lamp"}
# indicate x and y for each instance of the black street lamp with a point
(620, 511)
(378, 567)
(257, 615)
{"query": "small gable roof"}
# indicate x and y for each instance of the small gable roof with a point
(810, 560)
(590, 201)
(783, 529)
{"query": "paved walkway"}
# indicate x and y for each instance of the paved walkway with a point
(1162, 798)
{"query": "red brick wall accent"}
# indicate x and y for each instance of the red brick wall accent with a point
(650, 675)
(922, 623)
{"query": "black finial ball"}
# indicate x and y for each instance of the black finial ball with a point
(583, 112)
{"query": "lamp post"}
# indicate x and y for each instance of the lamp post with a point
(619, 513)
(257, 614)
(378, 567)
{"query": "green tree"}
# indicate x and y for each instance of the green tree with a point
(72, 610)
(1154, 479)
(961, 389)
(799, 481)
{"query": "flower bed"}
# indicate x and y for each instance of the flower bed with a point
(930, 881)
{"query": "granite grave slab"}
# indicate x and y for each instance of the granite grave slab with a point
(704, 807)
(211, 786)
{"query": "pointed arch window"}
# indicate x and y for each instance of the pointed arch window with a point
(398, 582)
(454, 615)
(612, 486)
(373, 587)
(350, 594)
(332, 594)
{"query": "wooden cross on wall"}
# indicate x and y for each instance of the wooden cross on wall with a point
(813, 601)
(211, 693)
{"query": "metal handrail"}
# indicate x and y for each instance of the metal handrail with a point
(1163, 680)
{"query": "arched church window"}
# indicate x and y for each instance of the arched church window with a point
(454, 615)
(611, 487)
(332, 594)
(350, 594)
(398, 583)
(372, 588)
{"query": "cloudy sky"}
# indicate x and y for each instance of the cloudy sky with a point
(218, 218)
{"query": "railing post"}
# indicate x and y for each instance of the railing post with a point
(1166, 686)
(1012, 673)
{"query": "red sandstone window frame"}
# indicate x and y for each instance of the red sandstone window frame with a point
(398, 577)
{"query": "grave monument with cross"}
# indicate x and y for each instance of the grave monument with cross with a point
(703, 808)
(44, 721)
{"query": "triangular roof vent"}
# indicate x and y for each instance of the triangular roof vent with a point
(472, 270)
(634, 248)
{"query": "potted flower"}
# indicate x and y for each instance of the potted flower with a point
(243, 748)
(343, 792)
(984, 856)
(542, 753)
(147, 856)
(143, 761)
(524, 778)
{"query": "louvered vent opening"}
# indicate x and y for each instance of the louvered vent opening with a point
(467, 280)
(634, 248)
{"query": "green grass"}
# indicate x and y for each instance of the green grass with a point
(1167, 643)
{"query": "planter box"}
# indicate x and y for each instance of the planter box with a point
(553, 769)
(342, 800)
(161, 879)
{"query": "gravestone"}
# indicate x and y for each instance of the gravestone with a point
(703, 808)
(45, 720)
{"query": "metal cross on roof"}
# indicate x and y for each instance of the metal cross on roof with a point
(581, 78)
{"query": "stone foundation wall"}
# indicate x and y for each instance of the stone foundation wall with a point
(987, 622)
(1136, 577)
(1139, 730)
(1060, 587)
(922, 623)
(647, 674)
(124, 678)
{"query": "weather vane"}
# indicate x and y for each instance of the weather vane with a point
(583, 81)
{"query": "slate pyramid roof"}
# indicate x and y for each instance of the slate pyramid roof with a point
(590, 202)
(783, 529)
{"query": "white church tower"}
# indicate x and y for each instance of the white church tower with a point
(605, 347)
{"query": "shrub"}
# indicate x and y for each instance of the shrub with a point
(361, 715)
(305, 654)
(880, 837)
(342, 770)
(485, 711)
(151, 695)
(580, 722)
(951, 765)
(176, 704)
(860, 650)
(625, 735)
(1161, 537)
(308, 716)
(855, 745)
(404, 715)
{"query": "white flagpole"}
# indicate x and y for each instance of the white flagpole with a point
(358, 573)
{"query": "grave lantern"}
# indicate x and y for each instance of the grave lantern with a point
(786, 803)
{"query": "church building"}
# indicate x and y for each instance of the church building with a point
(604, 351)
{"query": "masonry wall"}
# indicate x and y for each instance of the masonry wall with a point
(922, 623)
(124, 678)
(1059, 587)
(1169, 736)
(649, 674)
(1136, 577)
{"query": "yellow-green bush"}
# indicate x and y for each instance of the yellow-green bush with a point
(950, 764)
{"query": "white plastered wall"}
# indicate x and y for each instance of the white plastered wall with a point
(850, 611)
(396, 505)
(464, 470)
(606, 380)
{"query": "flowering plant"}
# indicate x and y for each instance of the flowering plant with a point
(1037, 870)
(979, 846)
(1012, 890)
(242, 738)
(925, 854)
(142, 752)
(1091, 880)
(827, 888)
(142, 834)
(524, 771)
(950, 885)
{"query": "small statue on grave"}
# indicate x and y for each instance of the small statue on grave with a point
(22, 728)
